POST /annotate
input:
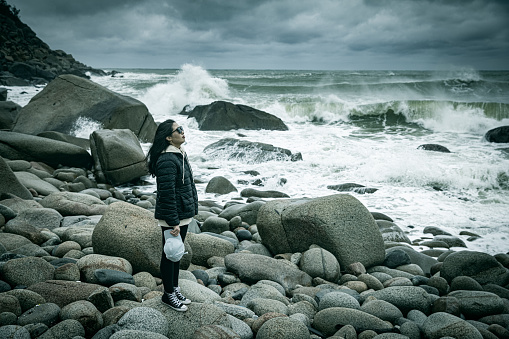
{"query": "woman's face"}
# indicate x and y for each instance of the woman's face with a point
(177, 137)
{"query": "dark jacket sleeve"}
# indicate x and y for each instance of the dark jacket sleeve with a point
(166, 195)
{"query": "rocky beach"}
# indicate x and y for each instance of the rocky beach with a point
(80, 248)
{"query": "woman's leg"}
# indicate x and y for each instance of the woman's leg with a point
(176, 265)
(167, 268)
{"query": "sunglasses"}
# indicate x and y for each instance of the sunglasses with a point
(179, 129)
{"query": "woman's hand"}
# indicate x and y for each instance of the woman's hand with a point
(175, 231)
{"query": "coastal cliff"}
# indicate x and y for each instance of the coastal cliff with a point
(25, 59)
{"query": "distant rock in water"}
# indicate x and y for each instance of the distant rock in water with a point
(351, 187)
(434, 147)
(498, 134)
(225, 116)
(250, 152)
(25, 59)
(69, 99)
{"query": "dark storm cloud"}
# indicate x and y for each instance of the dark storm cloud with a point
(329, 34)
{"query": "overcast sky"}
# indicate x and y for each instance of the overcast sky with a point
(276, 34)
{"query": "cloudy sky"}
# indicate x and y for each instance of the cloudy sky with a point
(276, 34)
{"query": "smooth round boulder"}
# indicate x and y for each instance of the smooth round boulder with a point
(205, 246)
(498, 134)
(382, 309)
(68, 328)
(144, 319)
(339, 223)
(406, 298)
(47, 314)
(283, 328)
(71, 203)
(441, 324)
(215, 225)
(220, 185)
(92, 262)
(130, 232)
(477, 304)
(328, 320)
(338, 299)
(482, 267)
(10, 303)
(27, 271)
(14, 331)
(318, 262)
(86, 313)
(27, 299)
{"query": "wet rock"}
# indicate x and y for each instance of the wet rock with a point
(498, 134)
(220, 185)
(434, 147)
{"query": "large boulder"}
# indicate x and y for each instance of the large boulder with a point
(8, 113)
(10, 183)
(249, 152)
(18, 146)
(107, 145)
(482, 267)
(251, 268)
(205, 246)
(339, 223)
(27, 271)
(225, 116)
(130, 232)
(498, 134)
(68, 98)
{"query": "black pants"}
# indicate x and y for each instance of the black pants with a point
(170, 269)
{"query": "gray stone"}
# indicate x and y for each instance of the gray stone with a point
(318, 262)
(215, 225)
(224, 116)
(10, 183)
(283, 327)
(82, 98)
(239, 312)
(8, 318)
(145, 279)
(11, 241)
(338, 223)
(328, 320)
(251, 192)
(247, 212)
(14, 331)
(30, 250)
(303, 307)
(105, 145)
(406, 298)
(107, 277)
(31, 181)
(86, 313)
(47, 314)
(136, 334)
(261, 306)
(220, 185)
(123, 291)
(197, 292)
(477, 304)
(26, 298)
(392, 232)
(92, 262)
(205, 246)
(38, 218)
(21, 146)
(442, 324)
(63, 292)
(498, 134)
(450, 240)
(338, 299)
(130, 232)
(10, 303)
(382, 309)
(240, 328)
(70, 203)
(184, 324)
(251, 268)
(396, 258)
(27, 271)
(263, 291)
(68, 328)
(144, 319)
(482, 267)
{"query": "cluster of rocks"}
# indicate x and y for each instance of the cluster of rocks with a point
(85, 264)
(27, 60)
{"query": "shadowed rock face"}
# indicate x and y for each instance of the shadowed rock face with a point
(68, 98)
(225, 116)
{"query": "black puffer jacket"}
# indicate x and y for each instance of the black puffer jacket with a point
(177, 198)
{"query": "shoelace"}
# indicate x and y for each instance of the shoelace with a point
(178, 294)
(174, 299)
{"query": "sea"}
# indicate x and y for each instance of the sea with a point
(362, 127)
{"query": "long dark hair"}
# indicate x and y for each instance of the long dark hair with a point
(159, 145)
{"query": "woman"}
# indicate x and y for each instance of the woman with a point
(177, 200)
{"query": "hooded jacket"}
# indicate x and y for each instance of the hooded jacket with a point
(177, 198)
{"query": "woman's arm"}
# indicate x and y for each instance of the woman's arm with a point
(166, 194)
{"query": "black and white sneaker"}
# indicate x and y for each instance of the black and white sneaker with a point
(172, 301)
(180, 297)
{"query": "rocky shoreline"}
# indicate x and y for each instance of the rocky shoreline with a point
(85, 265)
(80, 249)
